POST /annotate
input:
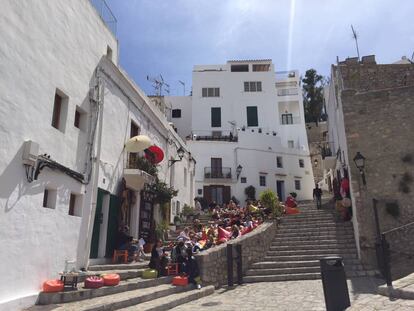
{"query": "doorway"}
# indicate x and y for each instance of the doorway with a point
(218, 194)
(280, 187)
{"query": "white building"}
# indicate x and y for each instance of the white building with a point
(61, 88)
(245, 116)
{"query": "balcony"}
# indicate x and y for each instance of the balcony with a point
(138, 171)
(217, 173)
(214, 136)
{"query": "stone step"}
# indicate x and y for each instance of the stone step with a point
(85, 293)
(123, 299)
(281, 277)
(307, 246)
(172, 301)
(311, 252)
(304, 237)
(297, 241)
(315, 230)
(126, 266)
(312, 217)
(312, 225)
(350, 263)
(306, 257)
(276, 271)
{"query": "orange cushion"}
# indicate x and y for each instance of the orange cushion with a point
(52, 286)
(180, 281)
(111, 279)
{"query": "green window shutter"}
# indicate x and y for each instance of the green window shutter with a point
(216, 117)
(252, 119)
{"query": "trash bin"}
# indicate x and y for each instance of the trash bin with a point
(334, 284)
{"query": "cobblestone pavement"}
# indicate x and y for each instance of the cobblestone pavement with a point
(295, 295)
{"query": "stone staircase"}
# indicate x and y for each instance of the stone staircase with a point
(172, 236)
(132, 293)
(300, 241)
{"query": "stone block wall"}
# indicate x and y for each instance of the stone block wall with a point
(380, 125)
(213, 262)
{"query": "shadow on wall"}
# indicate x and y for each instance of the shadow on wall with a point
(13, 183)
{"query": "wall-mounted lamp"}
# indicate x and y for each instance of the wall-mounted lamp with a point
(359, 161)
(315, 162)
(238, 171)
(180, 153)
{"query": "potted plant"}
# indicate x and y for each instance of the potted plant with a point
(177, 220)
(161, 230)
(250, 192)
(269, 200)
(188, 212)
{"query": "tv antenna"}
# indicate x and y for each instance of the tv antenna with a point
(355, 37)
(159, 84)
(183, 84)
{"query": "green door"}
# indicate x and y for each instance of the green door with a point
(97, 224)
(114, 207)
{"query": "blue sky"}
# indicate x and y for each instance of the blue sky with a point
(168, 37)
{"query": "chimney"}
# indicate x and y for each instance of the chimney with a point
(368, 59)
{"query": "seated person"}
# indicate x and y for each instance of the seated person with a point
(192, 270)
(158, 259)
(124, 242)
(291, 205)
(197, 226)
(184, 234)
(178, 254)
(235, 232)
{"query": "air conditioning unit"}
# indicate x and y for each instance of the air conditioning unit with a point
(30, 152)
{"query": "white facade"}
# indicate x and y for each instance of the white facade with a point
(221, 129)
(59, 47)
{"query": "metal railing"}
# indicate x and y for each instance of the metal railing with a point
(285, 74)
(217, 172)
(214, 136)
(106, 14)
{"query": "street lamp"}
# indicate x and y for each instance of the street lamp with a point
(180, 153)
(238, 170)
(359, 161)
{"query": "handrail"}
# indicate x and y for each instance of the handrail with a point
(398, 228)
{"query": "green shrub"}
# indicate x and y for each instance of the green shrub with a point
(269, 200)
(250, 192)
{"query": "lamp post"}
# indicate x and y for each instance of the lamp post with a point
(238, 171)
(359, 161)
(180, 153)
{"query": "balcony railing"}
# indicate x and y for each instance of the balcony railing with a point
(217, 172)
(106, 14)
(214, 136)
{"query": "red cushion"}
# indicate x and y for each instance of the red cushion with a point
(53, 286)
(180, 280)
(111, 279)
(246, 230)
(223, 234)
(94, 282)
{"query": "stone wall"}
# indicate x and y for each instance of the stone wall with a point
(379, 124)
(213, 262)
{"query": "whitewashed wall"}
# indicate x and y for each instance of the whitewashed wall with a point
(183, 124)
(44, 45)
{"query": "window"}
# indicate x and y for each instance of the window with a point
(287, 118)
(252, 119)
(301, 163)
(75, 205)
(253, 86)
(49, 198)
(215, 117)
(210, 92)
(109, 52)
(262, 180)
(297, 184)
(135, 130)
(200, 191)
(59, 111)
(291, 144)
(264, 67)
(185, 177)
(243, 180)
(80, 119)
(279, 162)
(239, 68)
(176, 113)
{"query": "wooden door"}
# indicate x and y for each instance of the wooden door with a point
(112, 231)
(216, 168)
(97, 225)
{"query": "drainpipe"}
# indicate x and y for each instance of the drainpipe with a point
(84, 248)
